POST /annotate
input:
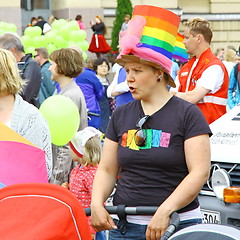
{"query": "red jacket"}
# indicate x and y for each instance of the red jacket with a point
(212, 106)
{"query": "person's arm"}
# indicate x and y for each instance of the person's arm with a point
(103, 186)
(193, 96)
(46, 28)
(116, 89)
(98, 88)
(197, 153)
(112, 85)
(38, 133)
(210, 81)
(231, 89)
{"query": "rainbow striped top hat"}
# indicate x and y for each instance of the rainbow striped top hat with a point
(180, 51)
(150, 38)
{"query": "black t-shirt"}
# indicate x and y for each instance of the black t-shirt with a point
(98, 28)
(150, 174)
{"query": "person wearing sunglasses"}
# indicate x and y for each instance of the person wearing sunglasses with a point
(157, 145)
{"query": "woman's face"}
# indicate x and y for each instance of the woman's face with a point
(53, 70)
(102, 70)
(141, 79)
(97, 20)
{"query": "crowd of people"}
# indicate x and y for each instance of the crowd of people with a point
(154, 118)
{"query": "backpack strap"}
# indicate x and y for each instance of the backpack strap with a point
(24, 63)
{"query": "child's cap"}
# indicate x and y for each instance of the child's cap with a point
(81, 137)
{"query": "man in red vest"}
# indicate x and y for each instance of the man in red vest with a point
(203, 80)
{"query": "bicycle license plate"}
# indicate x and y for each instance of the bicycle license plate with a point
(210, 216)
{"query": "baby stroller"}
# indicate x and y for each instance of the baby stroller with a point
(207, 231)
(41, 211)
(196, 232)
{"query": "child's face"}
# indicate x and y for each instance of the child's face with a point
(126, 19)
(74, 156)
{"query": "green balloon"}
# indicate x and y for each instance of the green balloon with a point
(26, 40)
(59, 42)
(37, 31)
(3, 27)
(84, 45)
(2, 31)
(50, 36)
(71, 44)
(42, 41)
(2, 24)
(73, 25)
(77, 36)
(63, 118)
(57, 24)
(28, 31)
(50, 47)
(60, 22)
(84, 56)
(38, 41)
(30, 49)
(33, 31)
(11, 27)
(64, 32)
(83, 35)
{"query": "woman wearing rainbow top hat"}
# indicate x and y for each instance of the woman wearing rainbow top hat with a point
(157, 144)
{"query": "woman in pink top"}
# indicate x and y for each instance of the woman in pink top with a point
(80, 23)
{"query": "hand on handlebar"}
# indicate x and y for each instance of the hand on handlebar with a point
(101, 219)
(157, 226)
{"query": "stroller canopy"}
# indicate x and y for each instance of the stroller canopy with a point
(207, 231)
(41, 211)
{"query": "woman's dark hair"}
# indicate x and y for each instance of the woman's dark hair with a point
(98, 62)
(78, 17)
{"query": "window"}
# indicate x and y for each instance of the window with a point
(29, 5)
(41, 4)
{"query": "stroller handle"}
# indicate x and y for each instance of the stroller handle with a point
(174, 223)
(127, 210)
(144, 210)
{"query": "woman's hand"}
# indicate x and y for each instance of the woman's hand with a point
(157, 226)
(101, 220)
(65, 185)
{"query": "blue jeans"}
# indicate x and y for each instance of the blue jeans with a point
(101, 235)
(138, 232)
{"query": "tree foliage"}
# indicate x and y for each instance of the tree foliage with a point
(123, 7)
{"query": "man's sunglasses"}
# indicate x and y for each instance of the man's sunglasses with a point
(140, 136)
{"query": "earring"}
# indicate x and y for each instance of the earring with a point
(159, 78)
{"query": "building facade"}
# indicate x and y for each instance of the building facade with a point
(223, 14)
